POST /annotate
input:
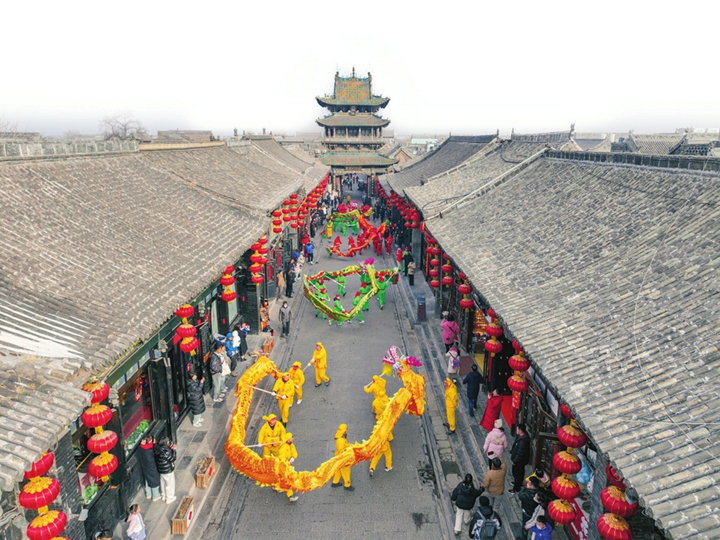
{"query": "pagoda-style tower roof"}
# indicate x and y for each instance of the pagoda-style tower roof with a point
(359, 120)
(355, 92)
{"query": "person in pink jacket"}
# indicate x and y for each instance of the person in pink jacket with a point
(450, 330)
(495, 442)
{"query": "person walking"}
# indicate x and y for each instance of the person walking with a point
(319, 362)
(216, 369)
(453, 356)
(289, 454)
(341, 444)
(464, 496)
(264, 315)
(492, 410)
(382, 291)
(285, 317)
(385, 450)
(289, 279)
(341, 282)
(356, 300)
(519, 457)
(196, 399)
(495, 442)
(270, 436)
(486, 522)
(411, 272)
(539, 512)
(284, 392)
(310, 250)
(528, 502)
(494, 479)
(146, 458)
(165, 456)
(280, 281)
(472, 382)
(451, 403)
(542, 530)
(136, 525)
(298, 377)
(450, 330)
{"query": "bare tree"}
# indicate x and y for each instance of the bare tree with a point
(6, 126)
(71, 134)
(121, 127)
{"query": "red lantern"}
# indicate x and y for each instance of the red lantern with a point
(186, 330)
(277, 230)
(47, 525)
(263, 240)
(263, 259)
(434, 283)
(518, 362)
(255, 257)
(565, 411)
(38, 493)
(99, 391)
(614, 500)
(571, 436)
(565, 488)
(188, 345)
(562, 512)
(567, 463)
(613, 527)
(229, 269)
(228, 296)
(41, 466)
(276, 213)
(446, 268)
(102, 442)
(96, 416)
(185, 311)
(256, 268)
(493, 346)
(464, 288)
(434, 272)
(517, 383)
(435, 263)
(614, 478)
(516, 345)
(227, 280)
(466, 303)
(447, 280)
(277, 223)
(256, 278)
(263, 250)
(294, 196)
(103, 466)
(494, 329)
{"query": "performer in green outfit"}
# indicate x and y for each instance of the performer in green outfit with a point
(365, 289)
(343, 227)
(324, 296)
(356, 301)
(341, 281)
(337, 304)
(382, 285)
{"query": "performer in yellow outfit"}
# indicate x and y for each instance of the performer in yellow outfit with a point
(377, 389)
(284, 391)
(319, 360)
(298, 378)
(451, 403)
(340, 445)
(288, 453)
(271, 434)
(386, 451)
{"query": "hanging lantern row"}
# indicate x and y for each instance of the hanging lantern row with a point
(38, 494)
(465, 289)
(186, 331)
(494, 330)
(96, 416)
(447, 269)
(612, 525)
(227, 281)
(566, 463)
(434, 272)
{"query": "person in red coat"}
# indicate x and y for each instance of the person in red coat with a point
(492, 411)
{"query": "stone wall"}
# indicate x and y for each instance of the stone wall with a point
(14, 150)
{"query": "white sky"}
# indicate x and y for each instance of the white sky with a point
(461, 67)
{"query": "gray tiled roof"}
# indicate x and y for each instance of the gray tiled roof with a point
(273, 149)
(242, 174)
(446, 188)
(299, 153)
(451, 153)
(608, 275)
(36, 411)
(104, 250)
(659, 144)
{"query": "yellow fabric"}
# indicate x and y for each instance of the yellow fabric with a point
(376, 387)
(298, 378)
(319, 357)
(274, 472)
(271, 435)
(379, 404)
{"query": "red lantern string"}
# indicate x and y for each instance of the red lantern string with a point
(227, 281)
(566, 463)
(186, 332)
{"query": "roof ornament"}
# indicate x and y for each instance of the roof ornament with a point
(353, 73)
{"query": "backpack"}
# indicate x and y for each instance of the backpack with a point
(485, 528)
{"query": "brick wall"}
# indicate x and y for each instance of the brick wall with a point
(23, 150)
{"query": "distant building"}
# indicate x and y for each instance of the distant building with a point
(183, 135)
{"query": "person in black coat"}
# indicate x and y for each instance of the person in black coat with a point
(519, 457)
(528, 501)
(146, 459)
(165, 456)
(485, 512)
(472, 382)
(464, 496)
(196, 400)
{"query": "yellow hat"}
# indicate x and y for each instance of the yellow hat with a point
(341, 430)
(269, 417)
(298, 364)
(287, 437)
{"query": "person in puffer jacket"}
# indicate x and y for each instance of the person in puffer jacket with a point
(165, 455)
(464, 496)
(196, 399)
